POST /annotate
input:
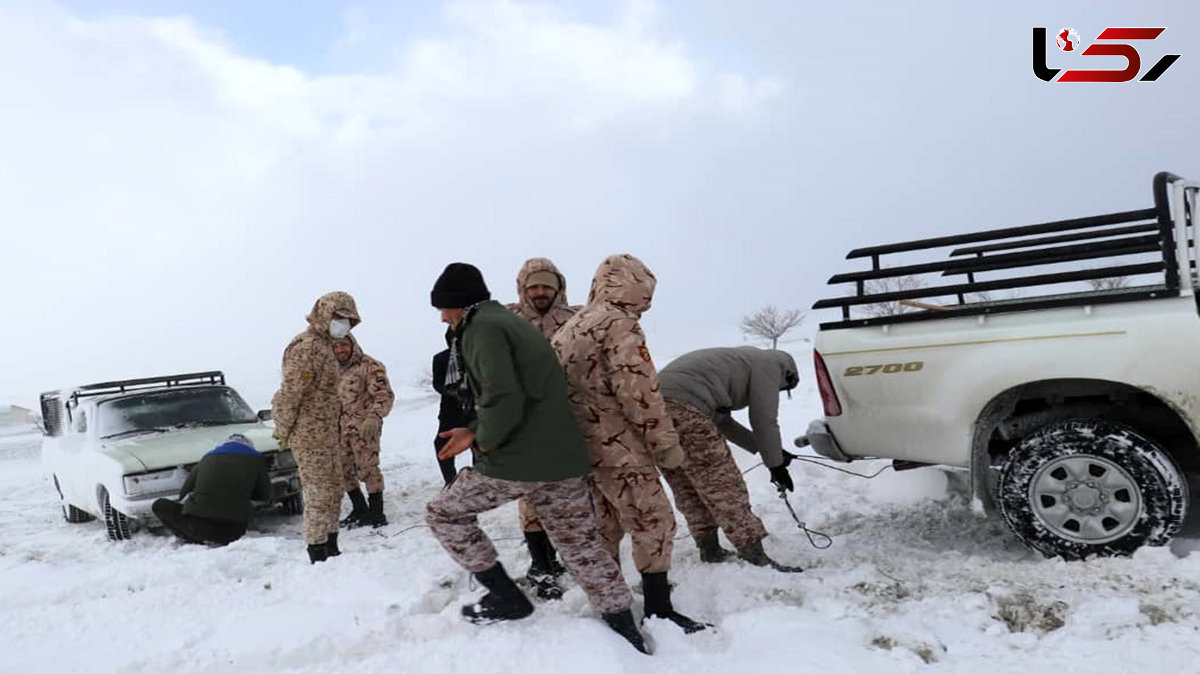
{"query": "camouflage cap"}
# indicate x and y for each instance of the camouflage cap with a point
(544, 277)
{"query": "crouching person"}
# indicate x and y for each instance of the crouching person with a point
(701, 389)
(215, 501)
(527, 444)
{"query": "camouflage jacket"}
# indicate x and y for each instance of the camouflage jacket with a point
(612, 382)
(306, 407)
(559, 311)
(364, 389)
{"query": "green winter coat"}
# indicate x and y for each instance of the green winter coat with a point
(224, 482)
(524, 427)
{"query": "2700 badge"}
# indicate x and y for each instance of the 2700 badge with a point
(886, 368)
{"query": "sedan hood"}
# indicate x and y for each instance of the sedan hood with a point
(156, 451)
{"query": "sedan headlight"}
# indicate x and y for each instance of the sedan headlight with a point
(157, 482)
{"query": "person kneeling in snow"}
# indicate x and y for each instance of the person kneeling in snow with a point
(527, 444)
(220, 488)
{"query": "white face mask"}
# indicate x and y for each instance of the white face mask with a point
(339, 328)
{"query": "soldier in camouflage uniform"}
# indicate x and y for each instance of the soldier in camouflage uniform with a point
(613, 389)
(306, 411)
(366, 398)
(526, 444)
(702, 388)
(542, 290)
(542, 293)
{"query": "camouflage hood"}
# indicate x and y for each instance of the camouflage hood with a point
(536, 264)
(559, 311)
(624, 282)
(327, 306)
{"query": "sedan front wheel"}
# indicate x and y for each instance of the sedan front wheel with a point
(119, 528)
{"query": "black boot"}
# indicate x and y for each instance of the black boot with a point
(374, 517)
(317, 553)
(622, 623)
(504, 600)
(754, 554)
(541, 566)
(359, 510)
(331, 546)
(710, 548)
(658, 603)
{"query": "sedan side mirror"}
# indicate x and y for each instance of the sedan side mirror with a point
(264, 415)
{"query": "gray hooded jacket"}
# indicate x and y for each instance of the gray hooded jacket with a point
(720, 380)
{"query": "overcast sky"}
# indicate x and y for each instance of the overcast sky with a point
(179, 180)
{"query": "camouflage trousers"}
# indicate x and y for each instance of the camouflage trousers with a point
(360, 462)
(321, 485)
(567, 514)
(709, 489)
(530, 522)
(632, 500)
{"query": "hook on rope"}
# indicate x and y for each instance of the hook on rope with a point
(812, 534)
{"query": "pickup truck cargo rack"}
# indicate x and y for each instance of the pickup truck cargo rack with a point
(1131, 250)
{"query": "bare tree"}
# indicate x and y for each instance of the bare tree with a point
(1110, 283)
(889, 285)
(769, 323)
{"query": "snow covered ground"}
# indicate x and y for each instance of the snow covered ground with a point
(913, 583)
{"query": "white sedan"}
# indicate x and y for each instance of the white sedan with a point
(113, 448)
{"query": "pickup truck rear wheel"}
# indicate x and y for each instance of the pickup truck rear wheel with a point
(118, 525)
(1085, 487)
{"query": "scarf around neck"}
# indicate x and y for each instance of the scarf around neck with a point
(456, 380)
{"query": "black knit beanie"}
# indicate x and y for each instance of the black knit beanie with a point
(459, 286)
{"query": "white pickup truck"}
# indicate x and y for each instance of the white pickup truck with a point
(1074, 400)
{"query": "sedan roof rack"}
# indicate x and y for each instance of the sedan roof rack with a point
(212, 378)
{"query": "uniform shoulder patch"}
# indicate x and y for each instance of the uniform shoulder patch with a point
(305, 375)
(644, 353)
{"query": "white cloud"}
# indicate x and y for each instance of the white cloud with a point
(171, 186)
(170, 201)
(738, 94)
(531, 59)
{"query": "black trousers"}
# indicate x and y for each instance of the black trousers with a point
(192, 529)
(449, 472)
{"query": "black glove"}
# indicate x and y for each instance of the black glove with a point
(781, 479)
(787, 458)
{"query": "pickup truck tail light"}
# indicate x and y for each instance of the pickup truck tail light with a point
(829, 399)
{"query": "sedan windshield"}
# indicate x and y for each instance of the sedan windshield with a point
(167, 410)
